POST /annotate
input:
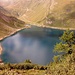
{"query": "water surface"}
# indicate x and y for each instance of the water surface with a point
(35, 44)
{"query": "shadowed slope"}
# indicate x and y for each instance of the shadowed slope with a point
(8, 24)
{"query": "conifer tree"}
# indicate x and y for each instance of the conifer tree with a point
(67, 42)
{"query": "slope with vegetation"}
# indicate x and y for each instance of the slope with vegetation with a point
(64, 63)
(9, 24)
(30, 11)
(55, 13)
(63, 15)
(26, 68)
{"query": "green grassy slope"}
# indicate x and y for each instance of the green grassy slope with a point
(29, 11)
(56, 13)
(64, 62)
(63, 14)
(63, 68)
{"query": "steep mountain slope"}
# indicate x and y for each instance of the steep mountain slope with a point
(63, 14)
(55, 13)
(2, 10)
(9, 24)
(28, 10)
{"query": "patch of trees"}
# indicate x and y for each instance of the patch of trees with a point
(66, 46)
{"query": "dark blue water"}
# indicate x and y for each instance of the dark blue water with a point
(35, 44)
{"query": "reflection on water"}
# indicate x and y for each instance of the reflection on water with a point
(35, 44)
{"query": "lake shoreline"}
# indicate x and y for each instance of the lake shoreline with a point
(15, 31)
(45, 26)
(55, 30)
(39, 37)
(37, 25)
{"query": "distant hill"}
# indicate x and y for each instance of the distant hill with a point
(63, 15)
(28, 10)
(56, 13)
(8, 24)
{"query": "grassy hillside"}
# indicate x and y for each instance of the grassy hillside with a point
(64, 63)
(63, 14)
(25, 68)
(37, 11)
(30, 11)
(9, 24)
(54, 13)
